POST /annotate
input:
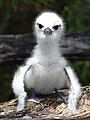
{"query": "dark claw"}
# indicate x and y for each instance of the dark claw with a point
(35, 99)
(65, 99)
(60, 97)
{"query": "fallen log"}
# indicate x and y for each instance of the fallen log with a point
(15, 48)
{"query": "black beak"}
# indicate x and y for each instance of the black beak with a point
(47, 31)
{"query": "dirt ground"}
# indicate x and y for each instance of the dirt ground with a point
(49, 109)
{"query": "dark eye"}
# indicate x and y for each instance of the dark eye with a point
(56, 27)
(40, 25)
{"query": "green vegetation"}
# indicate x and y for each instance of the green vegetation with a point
(82, 69)
(16, 17)
(6, 76)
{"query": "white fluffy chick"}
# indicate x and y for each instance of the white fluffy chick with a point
(47, 69)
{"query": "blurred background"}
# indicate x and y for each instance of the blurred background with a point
(16, 17)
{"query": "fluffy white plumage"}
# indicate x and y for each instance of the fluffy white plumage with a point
(44, 71)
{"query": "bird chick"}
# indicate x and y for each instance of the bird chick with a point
(47, 69)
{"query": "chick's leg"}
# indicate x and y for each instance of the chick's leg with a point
(60, 97)
(33, 97)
